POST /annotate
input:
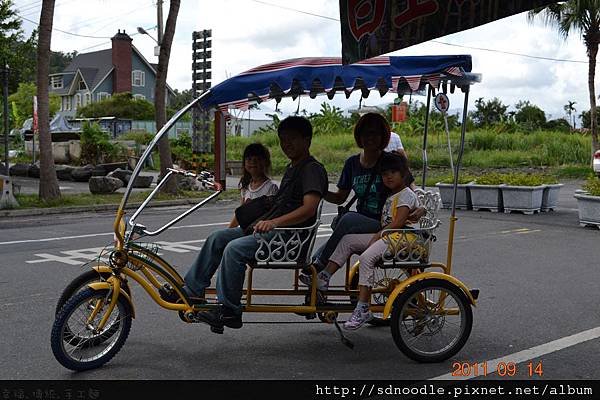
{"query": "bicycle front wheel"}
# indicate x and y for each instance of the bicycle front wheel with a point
(76, 341)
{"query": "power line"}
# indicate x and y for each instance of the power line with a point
(433, 41)
(509, 52)
(102, 44)
(67, 33)
(296, 10)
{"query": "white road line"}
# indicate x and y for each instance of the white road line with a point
(102, 234)
(110, 234)
(533, 352)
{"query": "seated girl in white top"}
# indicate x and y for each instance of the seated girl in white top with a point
(254, 182)
(402, 201)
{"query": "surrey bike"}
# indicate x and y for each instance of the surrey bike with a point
(428, 309)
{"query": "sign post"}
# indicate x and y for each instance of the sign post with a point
(201, 77)
(442, 103)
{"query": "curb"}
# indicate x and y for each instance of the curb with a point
(29, 212)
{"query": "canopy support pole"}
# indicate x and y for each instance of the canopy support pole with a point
(220, 175)
(453, 218)
(425, 137)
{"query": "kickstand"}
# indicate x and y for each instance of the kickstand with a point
(344, 339)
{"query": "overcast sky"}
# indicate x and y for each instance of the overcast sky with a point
(247, 33)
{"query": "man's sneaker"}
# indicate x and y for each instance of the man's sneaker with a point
(168, 294)
(219, 318)
(322, 281)
(359, 317)
(306, 279)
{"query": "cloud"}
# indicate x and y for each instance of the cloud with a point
(247, 33)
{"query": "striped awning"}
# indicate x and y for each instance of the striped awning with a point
(327, 76)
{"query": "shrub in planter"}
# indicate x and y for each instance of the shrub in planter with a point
(588, 202)
(485, 192)
(522, 192)
(463, 197)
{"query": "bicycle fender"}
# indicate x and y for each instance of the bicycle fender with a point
(387, 310)
(100, 268)
(107, 285)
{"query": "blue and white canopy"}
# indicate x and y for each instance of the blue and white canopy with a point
(316, 75)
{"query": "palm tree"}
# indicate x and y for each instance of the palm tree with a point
(48, 182)
(582, 16)
(160, 91)
(570, 110)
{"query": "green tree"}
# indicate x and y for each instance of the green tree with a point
(180, 99)
(22, 103)
(529, 116)
(329, 120)
(570, 110)
(59, 60)
(586, 120)
(582, 16)
(18, 53)
(489, 112)
(120, 105)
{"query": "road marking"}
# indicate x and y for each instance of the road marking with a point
(533, 352)
(111, 233)
(82, 256)
(520, 231)
(103, 234)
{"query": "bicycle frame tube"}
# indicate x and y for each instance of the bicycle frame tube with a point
(146, 154)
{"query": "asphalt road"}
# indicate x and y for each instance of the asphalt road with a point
(538, 277)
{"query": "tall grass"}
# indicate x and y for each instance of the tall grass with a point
(483, 149)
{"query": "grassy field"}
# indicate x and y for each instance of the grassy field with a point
(87, 199)
(561, 154)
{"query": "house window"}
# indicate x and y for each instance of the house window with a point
(82, 85)
(139, 97)
(102, 96)
(138, 78)
(87, 98)
(56, 82)
(68, 103)
(77, 101)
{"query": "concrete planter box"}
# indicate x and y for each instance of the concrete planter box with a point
(550, 197)
(488, 197)
(527, 199)
(589, 209)
(463, 196)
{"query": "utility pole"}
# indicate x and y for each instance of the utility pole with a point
(7, 200)
(5, 111)
(159, 20)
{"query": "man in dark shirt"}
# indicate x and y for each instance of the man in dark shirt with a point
(229, 250)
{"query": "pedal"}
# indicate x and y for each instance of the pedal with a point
(347, 342)
(474, 293)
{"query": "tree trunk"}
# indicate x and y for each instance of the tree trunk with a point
(160, 91)
(592, 53)
(48, 182)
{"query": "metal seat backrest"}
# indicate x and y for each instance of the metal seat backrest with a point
(412, 247)
(287, 247)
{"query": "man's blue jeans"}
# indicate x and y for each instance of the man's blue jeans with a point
(227, 250)
(351, 222)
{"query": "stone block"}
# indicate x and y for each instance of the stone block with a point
(104, 184)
